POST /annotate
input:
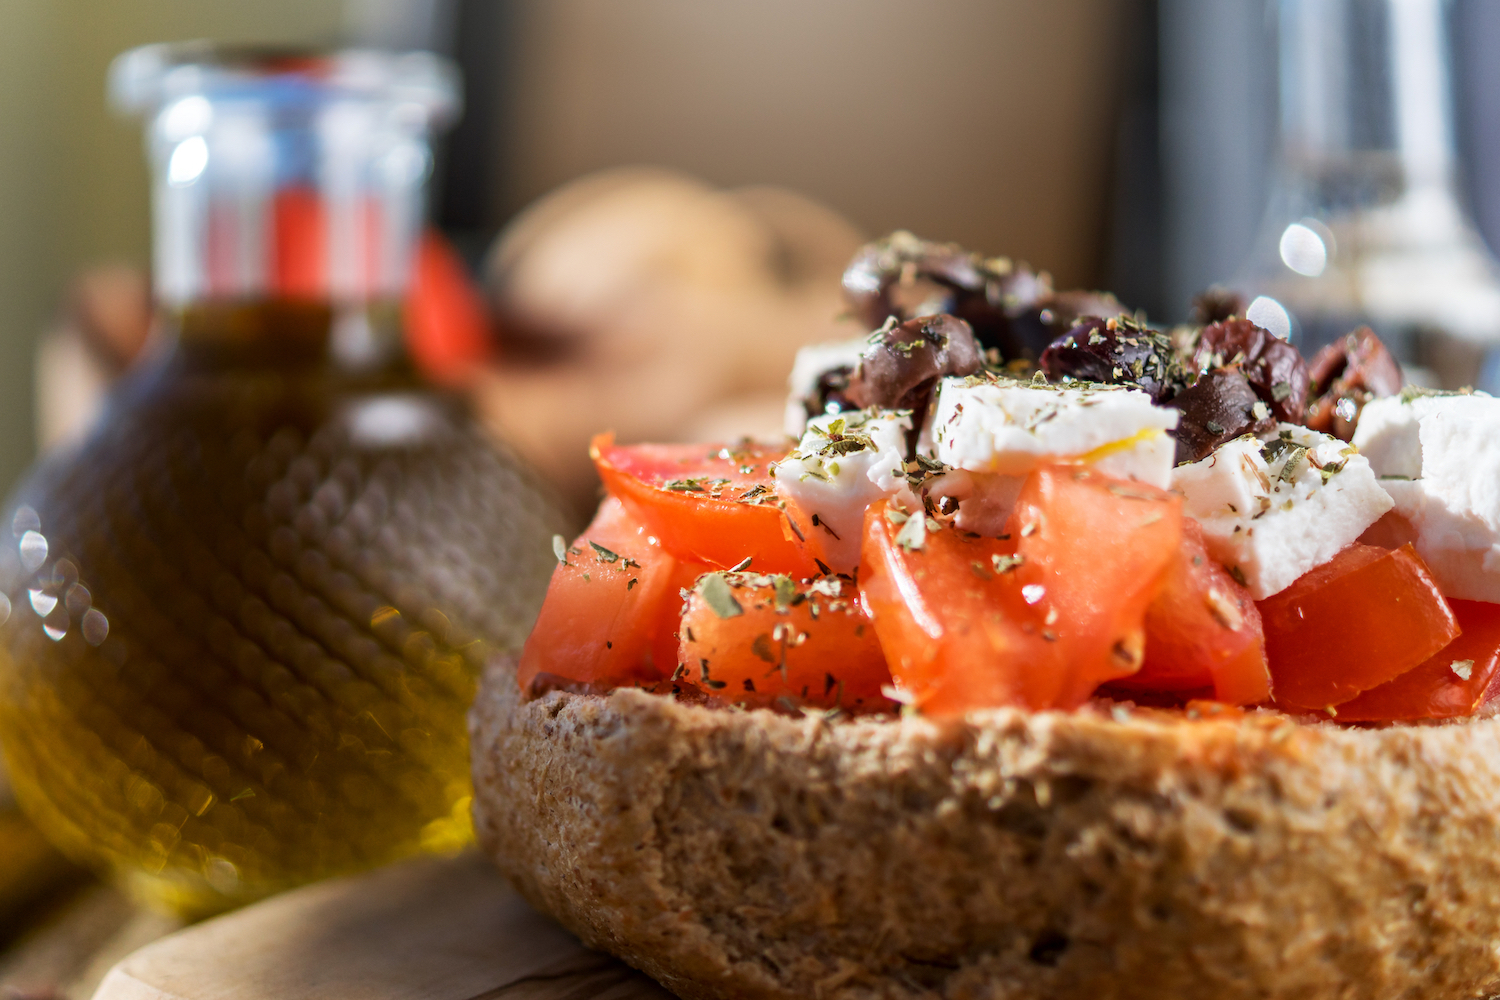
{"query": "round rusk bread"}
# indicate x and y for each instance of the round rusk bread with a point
(1095, 854)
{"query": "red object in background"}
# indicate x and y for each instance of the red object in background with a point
(1354, 623)
(447, 325)
(299, 245)
(1450, 684)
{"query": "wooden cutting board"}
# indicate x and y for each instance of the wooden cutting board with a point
(434, 929)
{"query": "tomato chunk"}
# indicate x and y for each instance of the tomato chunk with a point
(715, 504)
(1203, 632)
(1039, 619)
(1451, 683)
(611, 611)
(1354, 623)
(756, 640)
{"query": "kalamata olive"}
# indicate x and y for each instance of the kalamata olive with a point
(1274, 368)
(1344, 376)
(1034, 329)
(1121, 351)
(1215, 304)
(831, 390)
(906, 277)
(904, 361)
(1219, 407)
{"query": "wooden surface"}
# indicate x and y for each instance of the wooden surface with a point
(435, 929)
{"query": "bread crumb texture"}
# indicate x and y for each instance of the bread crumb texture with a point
(1012, 855)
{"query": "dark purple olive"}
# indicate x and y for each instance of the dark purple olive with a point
(906, 277)
(904, 361)
(1219, 407)
(1274, 368)
(831, 390)
(1346, 375)
(1120, 351)
(1035, 329)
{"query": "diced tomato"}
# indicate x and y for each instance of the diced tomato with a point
(712, 503)
(755, 640)
(1203, 632)
(949, 616)
(965, 626)
(1451, 683)
(1354, 623)
(610, 615)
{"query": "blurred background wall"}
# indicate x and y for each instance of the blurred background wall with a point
(1112, 142)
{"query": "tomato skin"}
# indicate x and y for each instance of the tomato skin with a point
(955, 637)
(596, 629)
(1203, 632)
(770, 652)
(707, 525)
(1043, 634)
(1431, 690)
(1354, 623)
(1102, 548)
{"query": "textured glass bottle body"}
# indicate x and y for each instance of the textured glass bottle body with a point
(247, 614)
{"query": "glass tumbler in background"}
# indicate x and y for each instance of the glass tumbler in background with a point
(244, 619)
(1365, 223)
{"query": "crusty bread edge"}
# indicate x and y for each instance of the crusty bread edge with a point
(1109, 856)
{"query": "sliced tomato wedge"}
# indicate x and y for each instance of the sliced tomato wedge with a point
(949, 615)
(759, 640)
(1203, 632)
(1364, 618)
(611, 611)
(1451, 683)
(712, 503)
(1038, 619)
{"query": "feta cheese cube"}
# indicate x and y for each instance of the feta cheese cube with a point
(1454, 506)
(1387, 436)
(1272, 512)
(812, 363)
(988, 423)
(1460, 550)
(844, 463)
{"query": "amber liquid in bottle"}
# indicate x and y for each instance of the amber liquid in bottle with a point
(247, 615)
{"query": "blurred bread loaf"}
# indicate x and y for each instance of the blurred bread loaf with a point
(650, 303)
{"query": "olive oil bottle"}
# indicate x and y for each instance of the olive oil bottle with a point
(244, 619)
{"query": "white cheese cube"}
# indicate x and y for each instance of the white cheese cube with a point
(812, 363)
(1271, 513)
(1387, 436)
(1461, 555)
(1231, 482)
(1460, 440)
(1441, 463)
(1455, 506)
(988, 423)
(844, 463)
(1461, 552)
